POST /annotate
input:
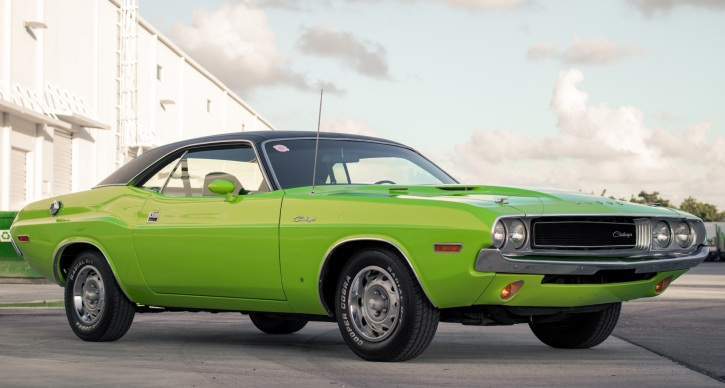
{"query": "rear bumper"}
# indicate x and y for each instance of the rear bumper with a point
(15, 246)
(492, 260)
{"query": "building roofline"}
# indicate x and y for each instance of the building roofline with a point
(168, 43)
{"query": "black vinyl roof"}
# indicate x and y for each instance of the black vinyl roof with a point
(128, 171)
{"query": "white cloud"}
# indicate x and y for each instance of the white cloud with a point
(597, 147)
(652, 7)
(485, 5)
(542, 50)
(367, 58)
(668, 117)
(595, 51)
(237, 45)
(475, 5)
(349, 126)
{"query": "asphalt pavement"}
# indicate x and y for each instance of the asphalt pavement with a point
(679, 342)
(686, 323)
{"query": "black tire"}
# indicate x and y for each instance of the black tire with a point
(579, 331)
(417, 318)
(273, 325)
(117, 312)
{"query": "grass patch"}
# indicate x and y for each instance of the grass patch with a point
(57, 303)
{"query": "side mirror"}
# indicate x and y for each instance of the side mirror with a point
(223, 187)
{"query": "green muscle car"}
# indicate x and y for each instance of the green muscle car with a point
(384, 243)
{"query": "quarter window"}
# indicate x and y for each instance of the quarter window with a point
(158, 180)
(191, 174)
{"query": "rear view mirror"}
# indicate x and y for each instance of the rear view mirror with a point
(340, 159)
(223, 187)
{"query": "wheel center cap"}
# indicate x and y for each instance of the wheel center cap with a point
(90, 293)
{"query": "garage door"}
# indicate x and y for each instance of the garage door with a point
(62, 163)
(18, 172)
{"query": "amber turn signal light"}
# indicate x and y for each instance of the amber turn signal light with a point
(447, 248)
(663, 284)
(511, 289)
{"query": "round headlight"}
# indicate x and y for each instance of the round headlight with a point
(683, 236)
(517, 234)
(661, 235)
(498, 236)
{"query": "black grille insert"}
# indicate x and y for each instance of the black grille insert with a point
(583, 233)
(601, 277)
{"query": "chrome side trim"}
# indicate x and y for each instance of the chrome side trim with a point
(15, 246)
(334, 247)
(492, 260)
(381, 141)
(59, 252)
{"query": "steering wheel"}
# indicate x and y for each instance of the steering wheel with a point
(385, 181)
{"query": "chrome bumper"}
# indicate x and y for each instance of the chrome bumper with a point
(491, 260)
(17, 250)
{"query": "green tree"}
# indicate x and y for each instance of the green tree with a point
(654, 197)
(703, 210)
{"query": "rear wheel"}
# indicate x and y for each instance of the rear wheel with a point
(273, 325)
(95, 305)
(381, 309)
(579, 331)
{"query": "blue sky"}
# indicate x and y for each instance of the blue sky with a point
(456, 74)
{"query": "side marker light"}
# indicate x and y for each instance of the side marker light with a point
(511, 289)
(24, 238)
(663, 284)
(447, 248)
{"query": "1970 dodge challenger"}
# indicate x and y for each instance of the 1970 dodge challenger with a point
(386, 244)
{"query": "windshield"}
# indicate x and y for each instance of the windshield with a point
(345, 162)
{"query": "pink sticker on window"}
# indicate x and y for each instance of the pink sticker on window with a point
(280, 148)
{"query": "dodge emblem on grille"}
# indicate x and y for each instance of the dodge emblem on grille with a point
(621, 234)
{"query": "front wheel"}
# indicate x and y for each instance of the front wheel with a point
(579, 331)
(96, 307)
(381, 309)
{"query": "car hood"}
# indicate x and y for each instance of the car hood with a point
(530, 201)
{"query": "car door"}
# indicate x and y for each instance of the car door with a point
(191, 241)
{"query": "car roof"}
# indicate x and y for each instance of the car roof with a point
(133, 168)
(258, 137)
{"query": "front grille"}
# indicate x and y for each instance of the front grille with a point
(589, 233)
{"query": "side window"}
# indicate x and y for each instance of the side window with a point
(196, 169)
(158, 180)
(338, 176)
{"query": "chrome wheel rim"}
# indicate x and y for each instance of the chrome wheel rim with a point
(374, 303)
(89, 295)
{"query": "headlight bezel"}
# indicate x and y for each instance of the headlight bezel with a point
(690, 234)
(494, 244)
(668, 228)
(510, 234)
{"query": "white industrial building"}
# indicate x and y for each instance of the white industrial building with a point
(85, 85)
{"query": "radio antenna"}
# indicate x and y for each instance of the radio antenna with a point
(317, 144)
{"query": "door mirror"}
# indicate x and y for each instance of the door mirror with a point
(223, 187)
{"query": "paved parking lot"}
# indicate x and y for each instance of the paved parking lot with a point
(201, 349)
